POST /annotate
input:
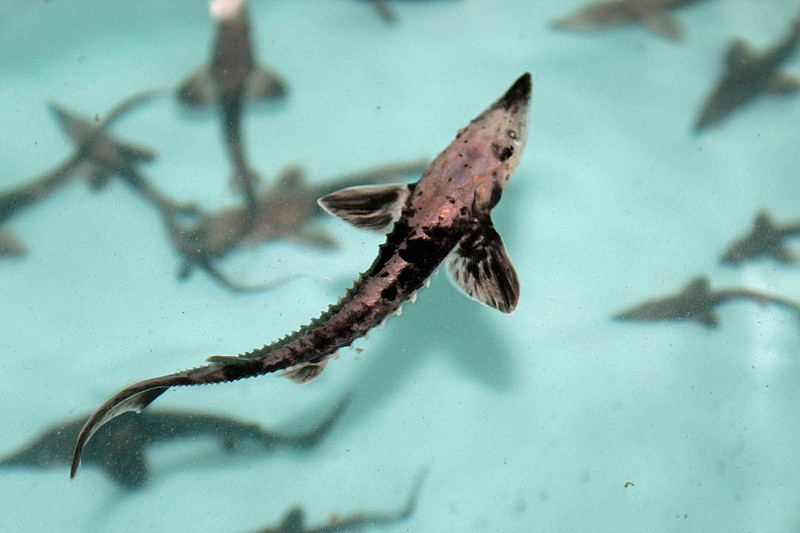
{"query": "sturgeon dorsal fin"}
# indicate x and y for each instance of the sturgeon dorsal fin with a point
(664, 24)
(305, 373)
(739, 52)
(481, 268)
(375, 207)
(293, 521)
(198, 89)
(709, 319)
(698, 287)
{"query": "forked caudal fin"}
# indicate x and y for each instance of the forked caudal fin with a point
(135, 398)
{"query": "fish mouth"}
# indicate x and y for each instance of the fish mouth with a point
(518, 95)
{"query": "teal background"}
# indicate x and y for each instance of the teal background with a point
(527, 423)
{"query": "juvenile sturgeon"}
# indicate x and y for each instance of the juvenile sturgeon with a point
(696, 301)
(285, 210)
(749, 74)
(120, 448)
(107, 156)
(652, 14)
(446, 215)
(766, 239)
(231, 77)
(30, 193)
(294, 520)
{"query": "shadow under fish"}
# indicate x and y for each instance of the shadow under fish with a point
(766, 239)
(295, 522)
(120, 448)
(749, 74)
(697, 302)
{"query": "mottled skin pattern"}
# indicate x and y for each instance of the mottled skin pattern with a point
(766, 239)
(748, 75)
(697, 302)
(120, 448)
(603, 15)
(294, 520)
(451, 202)
(285, 210)
(17, 199)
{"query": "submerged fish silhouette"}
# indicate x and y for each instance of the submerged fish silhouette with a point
(445, 216)
(749, 74)
(652, 14)
(285, 210)
(232, 76)
(16, 199)
(294, 520)
(120, 448)
(108, 157)
(766, 239)
(696, 301)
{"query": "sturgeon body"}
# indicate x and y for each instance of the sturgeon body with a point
(445, 216)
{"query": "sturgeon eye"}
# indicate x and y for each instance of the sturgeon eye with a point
(512, 134)
(502, 153)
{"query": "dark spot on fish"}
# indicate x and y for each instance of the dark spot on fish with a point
(399, 233)
(410, 278)
(419, 251)
(497, 192)
(389, 293)
(502, 153)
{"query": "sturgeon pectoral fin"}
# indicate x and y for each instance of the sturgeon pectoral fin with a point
(783, 84)
(132, 153)
(708, 319)
(375, 207)
(481, 268)
(134, 398)
(664, 24)
(265, 84)
(10, 246)
(197, 90)
(304, 374)
(783, 255)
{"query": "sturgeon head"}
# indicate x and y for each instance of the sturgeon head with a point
(232, 70)
(445, 216)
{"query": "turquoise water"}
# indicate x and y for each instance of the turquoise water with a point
(553, 419)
